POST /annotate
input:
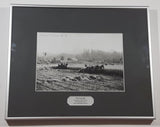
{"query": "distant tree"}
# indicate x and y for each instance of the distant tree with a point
(45, 54)
(53, 60)
(100, 56)
(62, 57)
(69, 59)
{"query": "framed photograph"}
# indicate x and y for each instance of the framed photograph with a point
(78, 62)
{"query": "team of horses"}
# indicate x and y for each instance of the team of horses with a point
(92, 69)
(62, 66)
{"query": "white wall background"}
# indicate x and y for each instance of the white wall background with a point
(155, 34)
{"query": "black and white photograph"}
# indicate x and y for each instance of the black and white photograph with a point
(79, 62)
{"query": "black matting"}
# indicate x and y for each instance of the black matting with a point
(132, 22)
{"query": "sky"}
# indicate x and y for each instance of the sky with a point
(75, 43)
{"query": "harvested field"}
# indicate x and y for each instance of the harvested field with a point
(57, 80)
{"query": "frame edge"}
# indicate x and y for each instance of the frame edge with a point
(74, 117)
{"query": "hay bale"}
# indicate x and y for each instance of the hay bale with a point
(92, 77)
(78, 78)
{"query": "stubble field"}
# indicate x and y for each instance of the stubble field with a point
(70, 80)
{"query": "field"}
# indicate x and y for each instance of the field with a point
(51, 79)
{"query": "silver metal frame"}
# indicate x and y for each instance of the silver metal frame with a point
(77, 117)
